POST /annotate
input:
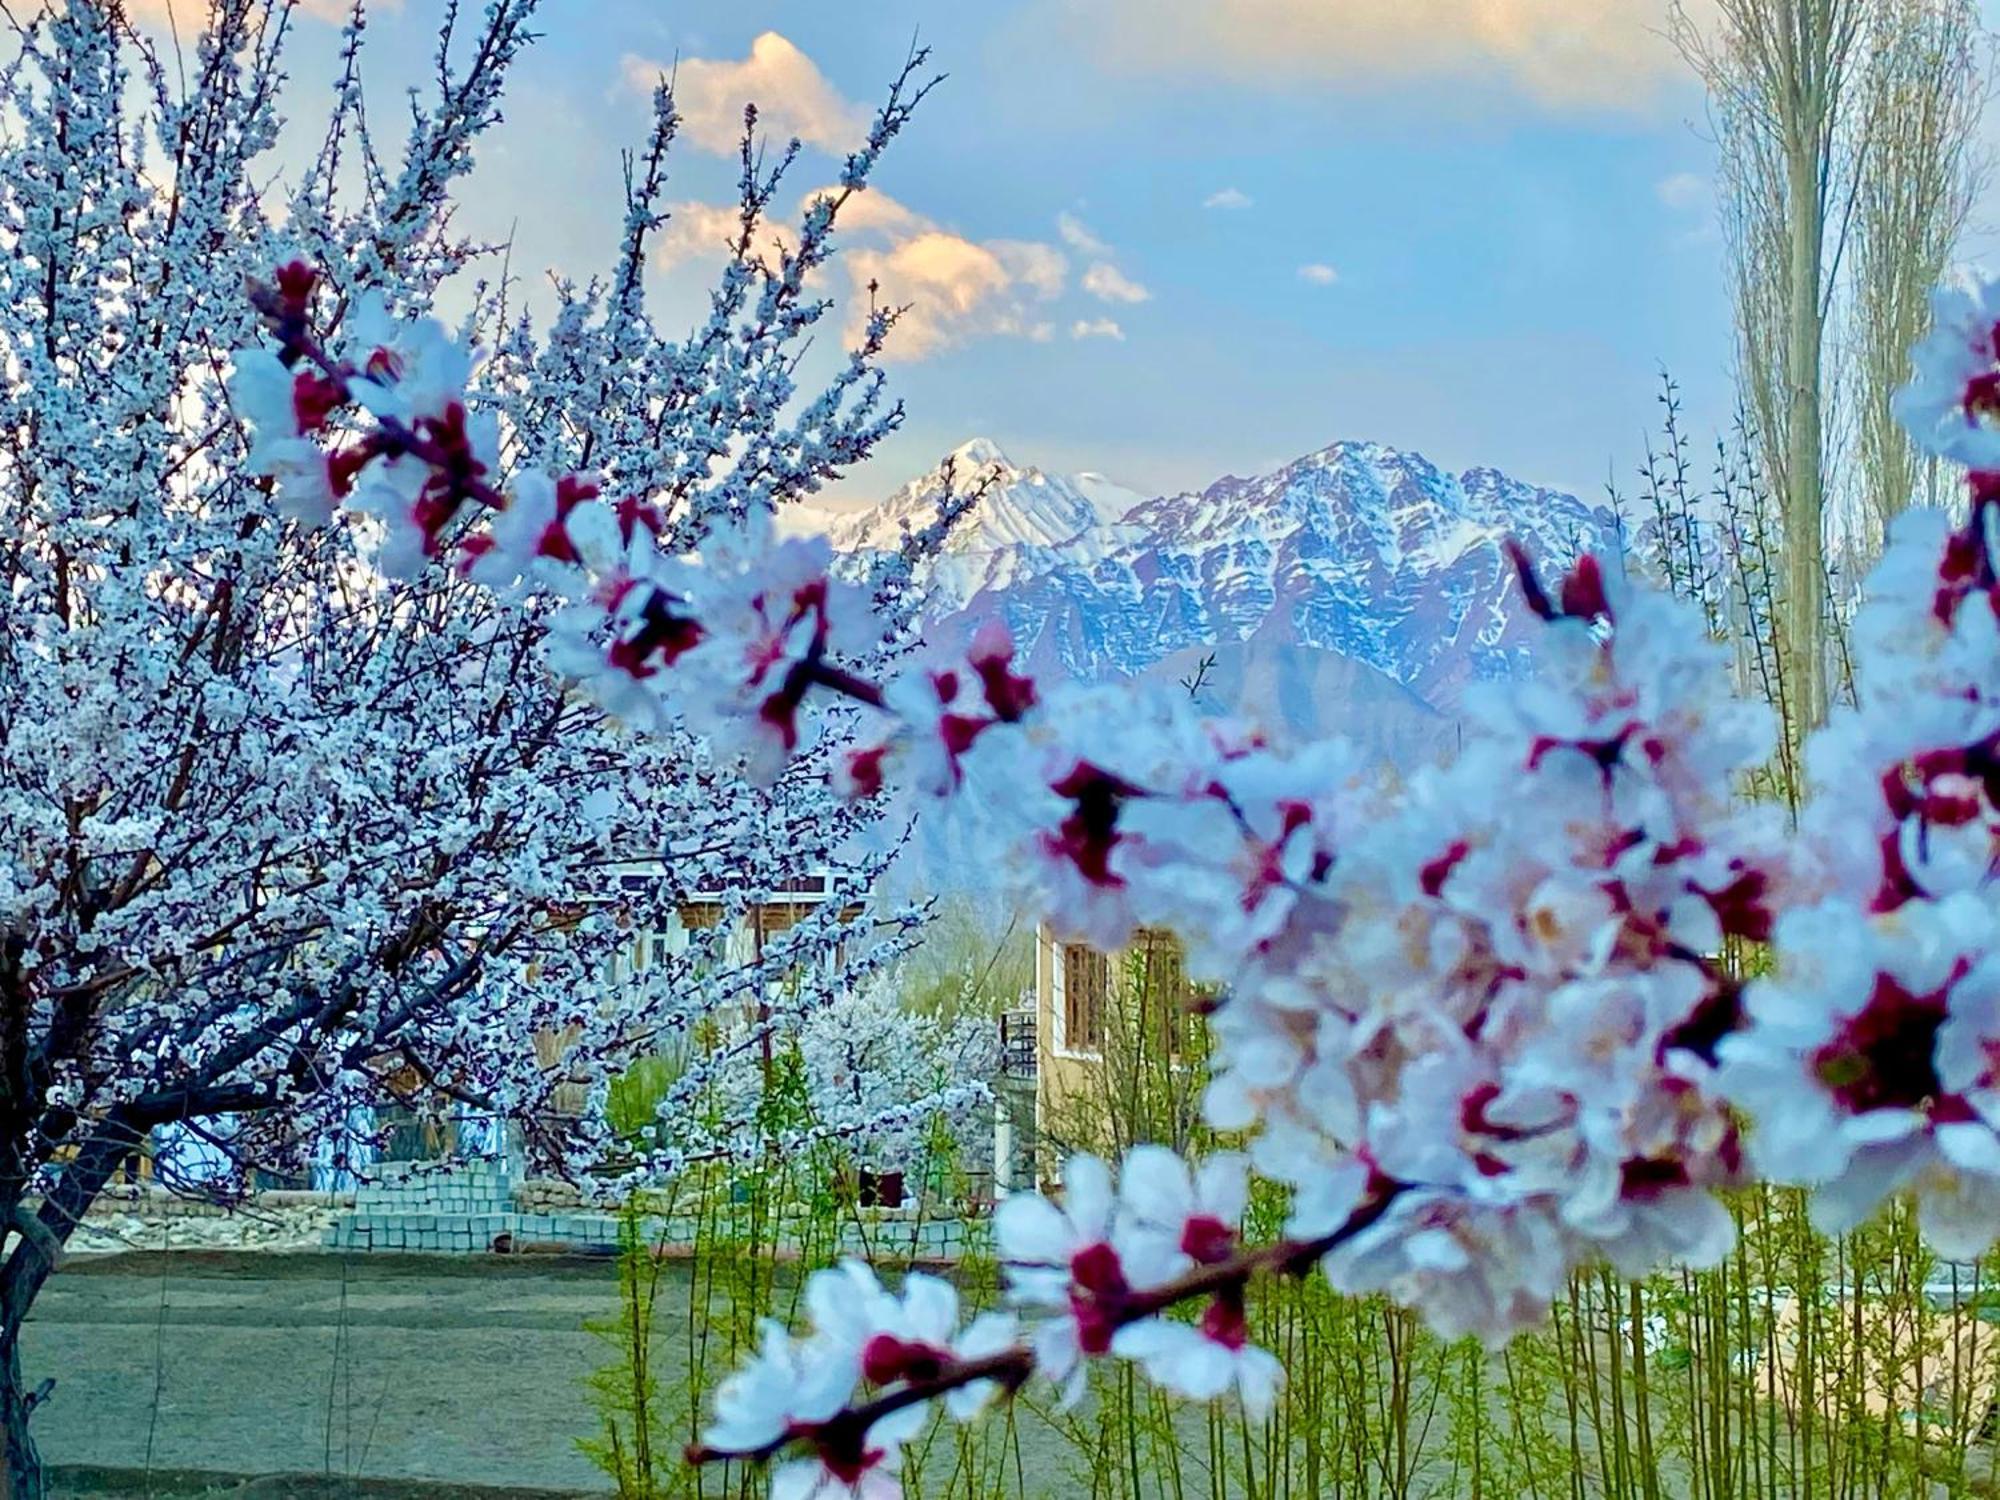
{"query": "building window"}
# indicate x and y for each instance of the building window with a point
(775, 917)
(1086, 980)
(701, 916)
(1165, 998)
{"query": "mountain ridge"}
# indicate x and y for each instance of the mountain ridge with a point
(1357, 551)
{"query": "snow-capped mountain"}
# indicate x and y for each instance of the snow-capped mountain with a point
(1358, 587)
(1023, 507)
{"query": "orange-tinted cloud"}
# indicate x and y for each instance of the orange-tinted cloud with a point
(792, 96)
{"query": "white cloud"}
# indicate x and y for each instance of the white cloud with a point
(872, 211)
(1591, 53)
(1078, 237)
(792, 97)
(1103, 280)
(705, 231)
(1319, 274)
(1228, 197)
(1107, 283)
(952, 289)
(1096, 328)
(1682, 190)
(1039, 267)
(1692, 197)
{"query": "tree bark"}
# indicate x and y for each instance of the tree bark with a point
(1805, 499)
(21, 1465)
(26, 1271)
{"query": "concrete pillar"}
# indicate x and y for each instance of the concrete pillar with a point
(1003, 1148)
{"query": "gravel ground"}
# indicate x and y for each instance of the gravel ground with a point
(420, 1369)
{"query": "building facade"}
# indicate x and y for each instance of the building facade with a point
(1119, 1047)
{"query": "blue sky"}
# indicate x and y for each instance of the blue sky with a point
(1476, 228)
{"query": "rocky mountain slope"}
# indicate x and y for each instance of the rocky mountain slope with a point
(1359, 587)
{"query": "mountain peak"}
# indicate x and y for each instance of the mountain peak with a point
(1017, 506)
(978, 452)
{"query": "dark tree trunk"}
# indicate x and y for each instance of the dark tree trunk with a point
(23, 1465)
(42, 1234)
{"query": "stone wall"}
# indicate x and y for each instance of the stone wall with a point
(424, 1208)
(151, 1218)
(476, 1208)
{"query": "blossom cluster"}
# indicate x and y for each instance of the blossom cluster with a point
(1099, 1272)
(1095, 1267)
(1870, 1060)
(1480, 1021)
(795, 1394)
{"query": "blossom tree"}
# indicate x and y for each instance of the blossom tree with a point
(896, 1078)
(296, 821)
(1481, 1027)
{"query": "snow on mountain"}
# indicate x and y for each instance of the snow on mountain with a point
(1022, 507)
(1358, 588)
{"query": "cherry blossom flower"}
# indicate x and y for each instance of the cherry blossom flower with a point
(787, 1386)
(761, 638)
(908, 1337)
(1205, 1359)
(1488, 1270)
(940, 712)
(836, 1479)
(1082, 760)
(411, 370)
(535, 525)
(794, 1392)
(1230, 864)
(1903, 803)
(1172, 1216)
(1063, 1259)
(414, 477)
(1868, 1065)
(1952, 402)
(287, 411)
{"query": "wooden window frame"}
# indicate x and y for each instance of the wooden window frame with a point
(1066, 997)
(1164, 984)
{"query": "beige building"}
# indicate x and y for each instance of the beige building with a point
(680, 926)
(1118, 1047)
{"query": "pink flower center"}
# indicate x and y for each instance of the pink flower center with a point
(1982, 394)
(886, 1359)
(1225, 1321)
(1207, 1239)
(315, 397)
(1088, 835)
(1885, 1055)
(842, 1446)
(1097, 1288)
(661, 633)
(1433, 875)
(1648, 1179)
(1008, 694)
(864, 770)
